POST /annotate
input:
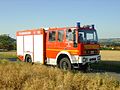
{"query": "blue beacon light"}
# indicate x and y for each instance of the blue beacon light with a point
(78, 24)
(93, 26)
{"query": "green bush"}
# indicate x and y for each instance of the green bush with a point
(7, 43)
(106, 48)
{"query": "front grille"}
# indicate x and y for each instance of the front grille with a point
(91, 52)
(92, 59)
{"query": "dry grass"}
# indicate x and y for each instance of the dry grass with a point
(23, 76)
(110, 55)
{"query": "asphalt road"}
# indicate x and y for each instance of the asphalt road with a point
(10, 59)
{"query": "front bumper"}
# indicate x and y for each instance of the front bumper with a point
(86, 59)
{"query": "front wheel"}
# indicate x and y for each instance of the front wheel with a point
(65, 64)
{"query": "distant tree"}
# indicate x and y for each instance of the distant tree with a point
(7, 43)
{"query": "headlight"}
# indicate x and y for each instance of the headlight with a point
(99, 58)
(84, 59)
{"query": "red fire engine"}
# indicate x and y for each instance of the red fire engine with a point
(67, 48)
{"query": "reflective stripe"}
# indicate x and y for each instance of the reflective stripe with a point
(63, 50)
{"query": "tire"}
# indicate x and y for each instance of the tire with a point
(28, 59)
(65, 64)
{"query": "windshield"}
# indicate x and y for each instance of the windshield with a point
(88, 36)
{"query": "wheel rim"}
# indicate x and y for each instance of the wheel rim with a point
(65, 65)
(28, 59)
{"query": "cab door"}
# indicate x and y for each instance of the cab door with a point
(71, 41)
(51, 44)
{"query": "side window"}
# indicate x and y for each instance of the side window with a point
(60, 35)
(52, 35)
(69, 35)
(81, 37)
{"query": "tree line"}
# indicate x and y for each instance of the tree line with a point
(110, 45)
(7, 43)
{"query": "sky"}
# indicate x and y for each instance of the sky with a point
(18, 15)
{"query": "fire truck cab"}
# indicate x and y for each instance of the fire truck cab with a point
(67, 48)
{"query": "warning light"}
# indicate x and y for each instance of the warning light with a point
(78, 24)
(93, 26)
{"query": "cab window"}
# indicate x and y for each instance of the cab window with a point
(60, 35)
(69, 35)
(52, 35)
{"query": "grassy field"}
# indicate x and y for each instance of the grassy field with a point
(105, 55)
(24, 76)
(110, 55)
(110, 60)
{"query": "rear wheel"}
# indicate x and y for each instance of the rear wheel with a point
(28, 59)
(65, 64)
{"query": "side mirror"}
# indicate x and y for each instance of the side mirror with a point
(74, 39)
